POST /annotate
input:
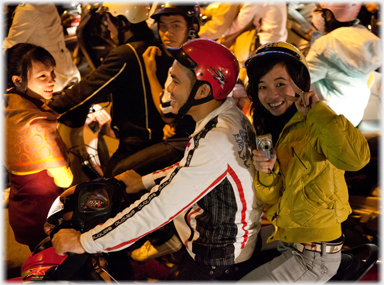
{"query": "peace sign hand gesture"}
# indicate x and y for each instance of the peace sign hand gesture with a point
(304, 100)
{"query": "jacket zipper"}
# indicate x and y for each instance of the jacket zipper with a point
(294, 153)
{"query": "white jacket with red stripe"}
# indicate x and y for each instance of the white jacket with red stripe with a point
(209, 195)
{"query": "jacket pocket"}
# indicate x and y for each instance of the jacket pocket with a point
(322, 208)
(301, 161)
(312, 208)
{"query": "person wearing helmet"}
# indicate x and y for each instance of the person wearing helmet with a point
(191, 14)
(135, 121)
(177, 23)
(341, 60)
(302, 180)
(209, 194)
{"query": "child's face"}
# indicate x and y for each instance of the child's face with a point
(41, 80)
(270, 88)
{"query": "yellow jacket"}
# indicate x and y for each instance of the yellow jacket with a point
(309, 197)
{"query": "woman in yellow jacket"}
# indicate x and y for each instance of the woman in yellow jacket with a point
(300, 171)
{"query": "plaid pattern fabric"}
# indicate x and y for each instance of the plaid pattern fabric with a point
(216, 226)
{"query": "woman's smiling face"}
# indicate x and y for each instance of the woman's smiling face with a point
(270, 88)
(41, 80)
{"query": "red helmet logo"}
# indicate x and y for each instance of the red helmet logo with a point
(221, 79)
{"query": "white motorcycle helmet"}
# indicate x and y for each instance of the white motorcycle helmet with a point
(133, 12)
(343, 12)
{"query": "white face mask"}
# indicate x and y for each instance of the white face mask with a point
(318, 21)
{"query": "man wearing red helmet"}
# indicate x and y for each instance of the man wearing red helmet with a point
(209, 194)
(176, 24)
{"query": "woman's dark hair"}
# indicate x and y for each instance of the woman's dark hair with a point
(19, 62)
(295, 70)
(334, 24)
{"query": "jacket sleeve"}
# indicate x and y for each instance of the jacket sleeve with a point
(92, 88)
(245, 16)
(150, 179)
(62, 176)
(317, 65)
(273, 22)
(268, 186)
(220, 22)
(23, 26)
(341, 143)
(182, 188)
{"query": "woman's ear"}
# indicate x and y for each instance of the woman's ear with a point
(16, 80)
(203, 91)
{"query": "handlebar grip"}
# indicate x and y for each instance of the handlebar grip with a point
(120, 184)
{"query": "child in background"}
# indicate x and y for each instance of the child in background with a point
(35, 155)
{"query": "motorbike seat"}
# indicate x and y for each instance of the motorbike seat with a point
(348, 265)
(356, 262)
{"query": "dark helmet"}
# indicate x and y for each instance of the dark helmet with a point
(191, 12)
(211, 63)
(281, 50)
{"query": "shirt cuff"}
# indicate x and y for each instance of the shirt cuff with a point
(148, 181)
(269, 179)
(87, 243)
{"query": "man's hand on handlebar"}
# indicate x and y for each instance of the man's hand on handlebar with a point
(66, 241)
(132, 180)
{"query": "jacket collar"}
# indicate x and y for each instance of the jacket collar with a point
(228, 104)
(297, 118)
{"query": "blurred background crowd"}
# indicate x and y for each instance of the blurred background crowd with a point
(342, 47)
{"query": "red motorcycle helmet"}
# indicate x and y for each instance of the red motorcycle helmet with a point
(212, 63)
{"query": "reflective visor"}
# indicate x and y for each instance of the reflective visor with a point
(181, 56)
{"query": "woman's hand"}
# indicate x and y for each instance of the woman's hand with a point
(305, 101)
(263, 163)
(149, 60)
(132, 180)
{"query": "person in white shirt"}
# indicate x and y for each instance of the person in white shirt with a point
(243, 27)
(209, 194)
(341, 60)
(269, 19)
